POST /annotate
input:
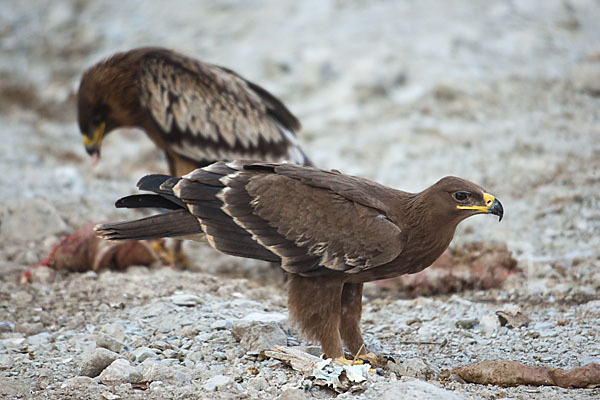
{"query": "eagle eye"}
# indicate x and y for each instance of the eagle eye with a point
(460, 196)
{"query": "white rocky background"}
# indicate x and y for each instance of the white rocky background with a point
(505, 93)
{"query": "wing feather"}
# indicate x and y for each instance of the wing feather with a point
(313, 228)
(206, 112)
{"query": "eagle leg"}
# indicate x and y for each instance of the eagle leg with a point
(315, 306)
(350, 318)
(178, 167)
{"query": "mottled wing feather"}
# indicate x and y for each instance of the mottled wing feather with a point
(313, 229)
(201, 198)
(207, 112)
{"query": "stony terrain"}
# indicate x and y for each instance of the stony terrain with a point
(504, 93)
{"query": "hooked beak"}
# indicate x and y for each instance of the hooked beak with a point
(92, 144)
(492, 206)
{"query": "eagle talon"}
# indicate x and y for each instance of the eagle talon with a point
(376, 360)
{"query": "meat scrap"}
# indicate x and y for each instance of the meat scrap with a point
(84, 251)
(512, 373)
(475, 266)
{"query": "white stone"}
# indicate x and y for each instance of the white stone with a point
(265, 317)
(218, 382)
(184, 299)
(490, 324)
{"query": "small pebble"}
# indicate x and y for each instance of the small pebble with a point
(97, 361)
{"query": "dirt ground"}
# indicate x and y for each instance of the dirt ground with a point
(504, 93)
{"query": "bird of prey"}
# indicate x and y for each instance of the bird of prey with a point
(331, 232)
(197, 113)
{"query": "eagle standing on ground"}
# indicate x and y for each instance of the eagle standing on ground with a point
(197, 113)
(331, 232)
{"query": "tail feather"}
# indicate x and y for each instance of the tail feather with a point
(168, 224)
(152, 182)
(150, 201)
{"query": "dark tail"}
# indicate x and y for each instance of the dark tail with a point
(168, 224)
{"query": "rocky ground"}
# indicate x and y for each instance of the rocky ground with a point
(504, 93)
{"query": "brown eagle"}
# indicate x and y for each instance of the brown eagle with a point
(197, 113)
(331, 232)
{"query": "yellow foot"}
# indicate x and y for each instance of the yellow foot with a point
(376, 360)
(345, 361)
(356, 361)
(173, 256)
(179, 259)
(165, 255)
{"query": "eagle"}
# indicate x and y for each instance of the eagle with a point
(330, 232)
(196, 112)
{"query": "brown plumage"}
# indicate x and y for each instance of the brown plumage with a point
(330, 231)
(197, 113)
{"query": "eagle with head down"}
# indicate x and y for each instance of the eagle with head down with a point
(197, 113)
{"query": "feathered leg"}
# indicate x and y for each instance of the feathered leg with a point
(350, 318)
(315, 305)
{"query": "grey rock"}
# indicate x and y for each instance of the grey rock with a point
(170, 353)
(544, 325)
(40, 338)
(108, 342)
(143, 353)
(469, 323)
(184, 299)
(257, 336)
(6, 326)
(258, 383)
(78, 383)
(121, 371)
(294, 394)
(188, 331)
(218, 383)
(97, 361)
(30, 328)
(17, 344)
(154, 371)
(418, 390)
(7, 361)
(416, 368)
(221, 324)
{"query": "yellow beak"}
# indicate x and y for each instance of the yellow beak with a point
(492, 206)
(92, 145)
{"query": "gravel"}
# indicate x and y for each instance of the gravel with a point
(502, 93)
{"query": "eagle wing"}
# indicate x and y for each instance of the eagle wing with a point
(206, 112)
(316, 221)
